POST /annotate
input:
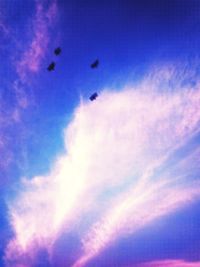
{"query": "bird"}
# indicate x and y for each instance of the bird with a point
(57, 51)
(51, 66)
(95, 64)
(93, 96)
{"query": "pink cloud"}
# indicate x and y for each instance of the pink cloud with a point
(32, 57)
(170, 263)
(30, 61)
(4, 28)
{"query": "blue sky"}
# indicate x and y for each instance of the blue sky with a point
(113, 182)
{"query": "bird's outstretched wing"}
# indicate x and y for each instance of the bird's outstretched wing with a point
(93, 96)
(51, 66)
(95, 64)
(57, 51)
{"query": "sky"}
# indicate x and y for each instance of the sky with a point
(112, 182)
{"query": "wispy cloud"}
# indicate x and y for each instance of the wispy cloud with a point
(170, 263)
(31, 58)
(4, 28)
(133, 213)
(124, 152)
(28, 60)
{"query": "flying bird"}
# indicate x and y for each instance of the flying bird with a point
(51, 66)
(95, 64)
(93, 96)
(57, 51)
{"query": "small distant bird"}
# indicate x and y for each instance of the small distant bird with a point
(57, 51)
(93, 96)
(51, 66)
(95, 64)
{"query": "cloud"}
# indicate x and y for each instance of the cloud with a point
(31, 58)
(16, 94)
(170, 263)
(4, 28)
(124, 152)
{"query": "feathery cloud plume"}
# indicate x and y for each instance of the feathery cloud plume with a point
(123, 153)
(32, 57)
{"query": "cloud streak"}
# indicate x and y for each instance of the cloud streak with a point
(124, 152)
(170, 263)
(43, 20)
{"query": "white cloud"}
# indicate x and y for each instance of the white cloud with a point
(116, 148)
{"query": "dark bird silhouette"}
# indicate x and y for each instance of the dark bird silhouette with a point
(95, 64)
(57, 51)
(93, 96)
(51, 66)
